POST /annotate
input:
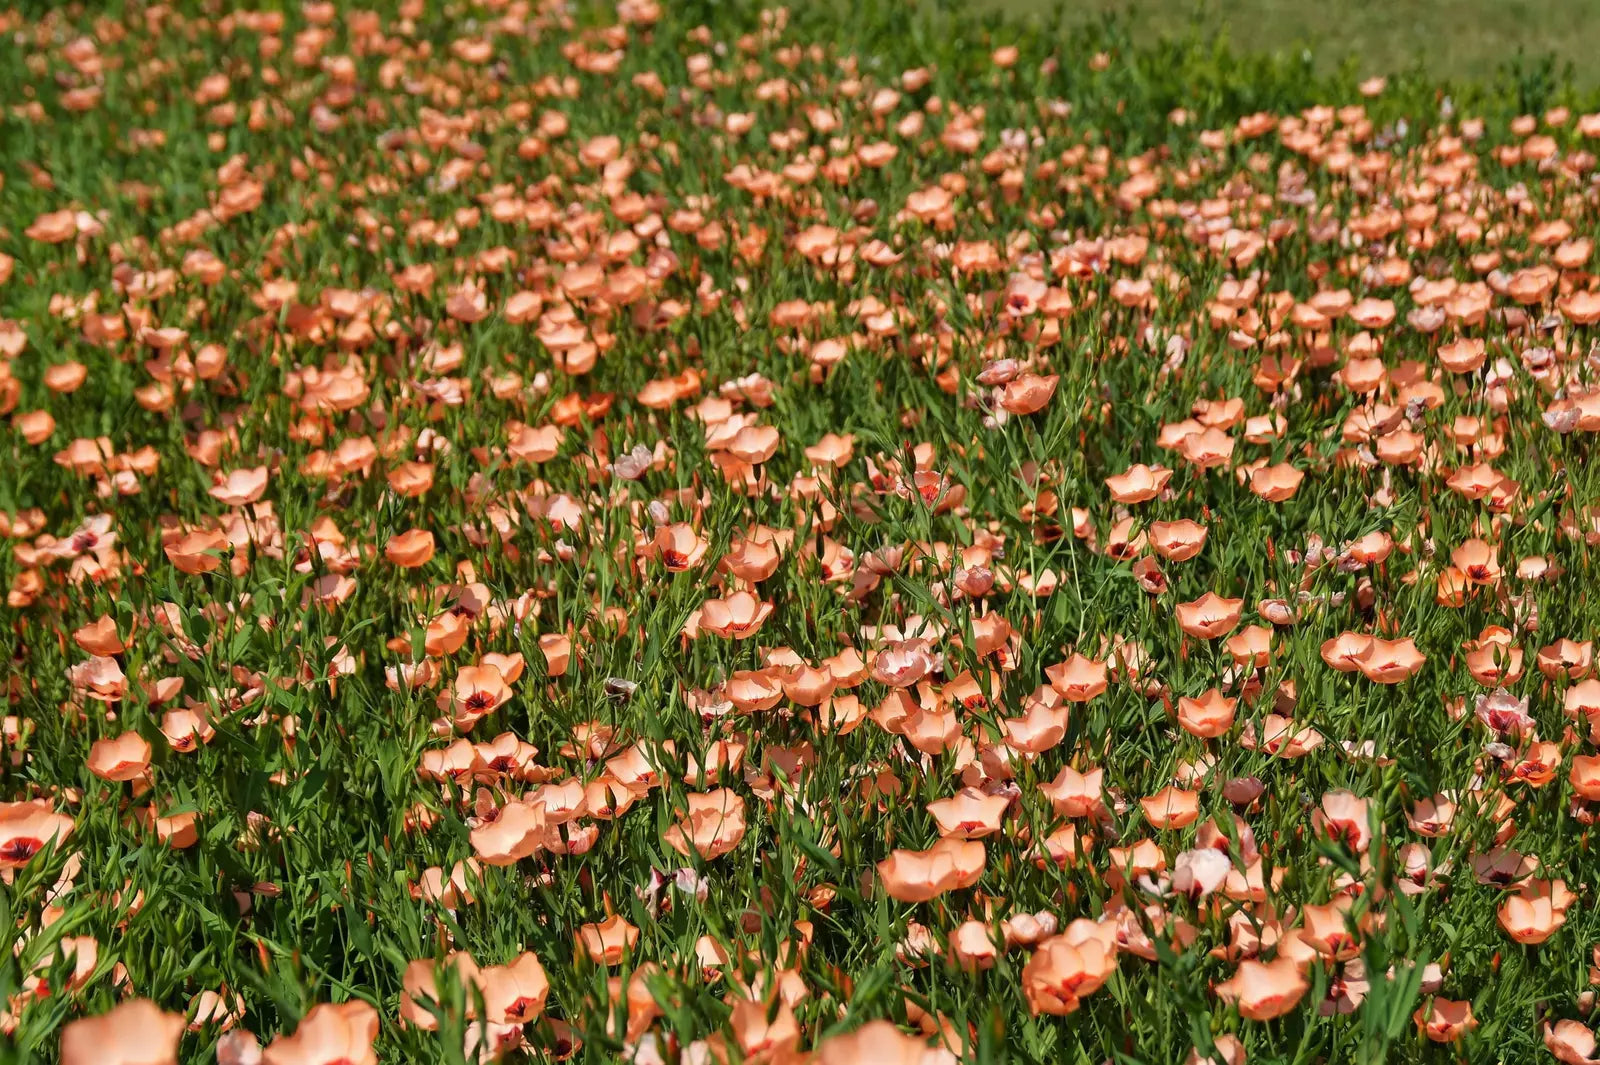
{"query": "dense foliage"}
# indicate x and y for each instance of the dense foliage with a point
(700, 533)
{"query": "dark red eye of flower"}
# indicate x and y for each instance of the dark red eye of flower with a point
(20, 849)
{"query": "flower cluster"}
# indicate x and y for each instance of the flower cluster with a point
(580, 533)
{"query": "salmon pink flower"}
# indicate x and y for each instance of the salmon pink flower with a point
(100, 637)
(1250, 646)
(1444, 1020)
(1078, 679)
(26, 828)
(1503, 713)
(410, 549)
(917, 876)
(222, 1009)
(1346, 651)
(238, 1047)
(137, 1032)
(515, 993)
(738, 617)
(1566, 657)
(1585, 777)
(609, 941)
(1390, 661)
(1571, 1042)
(1229, 1051)
(1171, 808)
(1264, 990)
(1066, 968)
(515, 831)
(1209, 716)
(1494, 658)
(880, 1043)
(713, 826)
(1028, 394)
(679, 547)
(125, 757)
(1477, 561)
(100, 678)
(1343, 817)
(1209, 616)
(478, 690)
(1329, 929)
(903, 664)
(328, 1035)
(970, 814)
(1277, 483)
(449, 890)
(1138, 484)
(1197, 873)
(198, 551)
(1075, 794)
(1177, 541)
(240, 487)
(1537, 911)
(421, 994)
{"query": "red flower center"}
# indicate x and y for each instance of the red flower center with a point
(20, 849)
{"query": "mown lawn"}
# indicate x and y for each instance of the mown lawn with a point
(1460, 39)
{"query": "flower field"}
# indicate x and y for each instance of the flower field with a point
(857, 534)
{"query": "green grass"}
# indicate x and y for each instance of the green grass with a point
(1458, 39)
(251, 340)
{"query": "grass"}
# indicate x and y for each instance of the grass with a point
(1458, 39)
(533, 533)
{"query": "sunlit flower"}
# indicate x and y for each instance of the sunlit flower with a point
(137, 1032)
(328, 1035)
(917, 876)
(880, 1043)
(1065, 968)
(713, 826)
(1264, 990)
(26, 828)
(1444, 1020)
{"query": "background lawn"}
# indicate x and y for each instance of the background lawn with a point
(1456, 39)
